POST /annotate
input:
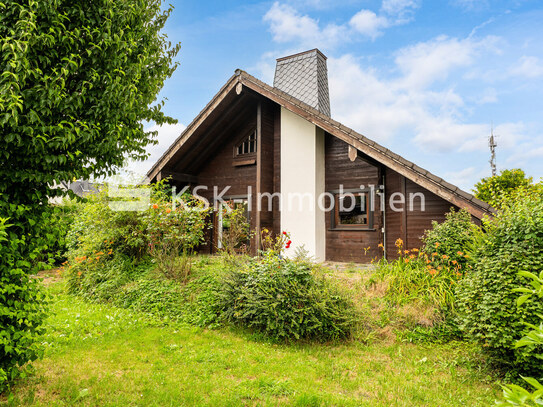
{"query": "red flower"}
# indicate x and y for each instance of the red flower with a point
(285, 233)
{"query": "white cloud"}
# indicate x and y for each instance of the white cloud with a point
(427, 62)
(417, 101)
(167, 134)
(368, 23)
(287, 24)
(528, 67)
(401, 10)
(471, 5)
(463, 177)
(489, 95)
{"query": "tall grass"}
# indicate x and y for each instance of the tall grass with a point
(415, 276)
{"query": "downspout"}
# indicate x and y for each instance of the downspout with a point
(383, 206)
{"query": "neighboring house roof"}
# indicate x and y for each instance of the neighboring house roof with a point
(411, 171)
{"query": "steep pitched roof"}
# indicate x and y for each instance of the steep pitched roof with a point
(411, 171)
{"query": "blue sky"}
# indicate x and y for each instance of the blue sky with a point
(424, 78)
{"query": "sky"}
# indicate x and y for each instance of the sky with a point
(426, 79)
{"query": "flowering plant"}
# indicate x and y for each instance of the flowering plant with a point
(173, 232)
(274, 245)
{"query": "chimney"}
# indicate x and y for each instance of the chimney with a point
(305, 77)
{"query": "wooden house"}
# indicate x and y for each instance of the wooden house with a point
(259, 143)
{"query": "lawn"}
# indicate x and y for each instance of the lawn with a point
(97, 354)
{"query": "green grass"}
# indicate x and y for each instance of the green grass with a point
(99, 355)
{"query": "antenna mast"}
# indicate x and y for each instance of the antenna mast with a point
(492, 144)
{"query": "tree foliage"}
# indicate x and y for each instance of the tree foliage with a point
(78, 81)
(486, 300)
(497, 189)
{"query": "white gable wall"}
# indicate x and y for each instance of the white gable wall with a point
(302, 182)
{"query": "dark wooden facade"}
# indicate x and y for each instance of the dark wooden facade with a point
(208, 159)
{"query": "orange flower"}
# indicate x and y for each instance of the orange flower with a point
(415, 250)
(406, 251)
(155, 206)
(168, 210)
(79, 273)
(454, 262)
(437, 245)
(380, 245)
(460, 253)
(433, 272)
(399, 243)
(445, 257)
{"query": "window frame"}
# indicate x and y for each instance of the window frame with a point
(334, 213)
(246, 139)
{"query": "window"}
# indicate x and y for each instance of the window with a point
(351, 211)
(246, 146)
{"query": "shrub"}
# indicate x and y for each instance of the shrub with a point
(452, 238)
(515, 395)
(285, 300)
(22, 304)
(173, 231)
(485, 298)
(97, 228)
(236, 233)
(54, 222)
(163, 231)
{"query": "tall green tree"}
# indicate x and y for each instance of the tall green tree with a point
(497, 189)
(78, 80)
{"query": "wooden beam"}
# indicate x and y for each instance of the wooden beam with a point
(404, 213)
(353, 153)
(258, 170)
(177, 176)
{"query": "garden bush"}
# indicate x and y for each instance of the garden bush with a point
(515, 395)
(165, 232)
(486, 301)
(22, 303)
(285, 300)
(97, 228)
(451, 239)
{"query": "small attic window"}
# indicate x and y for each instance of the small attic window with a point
(246, 146)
